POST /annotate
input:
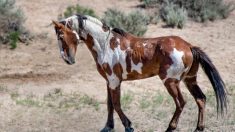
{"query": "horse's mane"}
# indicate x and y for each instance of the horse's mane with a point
(94, 20)
(119, 31)
(98, 22)
(66, 22)
(80, 19)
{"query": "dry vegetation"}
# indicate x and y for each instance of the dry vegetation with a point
(39, 92)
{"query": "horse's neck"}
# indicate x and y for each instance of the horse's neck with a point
(99, 36)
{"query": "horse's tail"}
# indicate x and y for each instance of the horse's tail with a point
(214, 77)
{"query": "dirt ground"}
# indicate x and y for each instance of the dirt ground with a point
(39, 92)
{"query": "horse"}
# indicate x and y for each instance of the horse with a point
(121, 56)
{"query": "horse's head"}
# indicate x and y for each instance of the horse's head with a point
(67, 41)
(77, 27)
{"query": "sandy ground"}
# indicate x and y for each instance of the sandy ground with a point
(36, 70)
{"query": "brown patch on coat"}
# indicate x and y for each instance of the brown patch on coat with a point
(107, 68)
(113, 43)
(101, 71)
(117, 70)
(90, 43)
(149, 50)
(137, 53)
(123, 42)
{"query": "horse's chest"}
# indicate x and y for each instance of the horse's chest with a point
(110, 62)
(120, 65)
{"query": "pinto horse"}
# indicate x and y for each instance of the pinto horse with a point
(120, 56)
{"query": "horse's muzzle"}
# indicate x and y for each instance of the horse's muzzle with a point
(68, 59)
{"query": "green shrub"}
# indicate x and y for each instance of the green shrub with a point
(11, 23)
(151, 3)
(13, 36)
(134, 22)
(198, 10)
(173, 15)
(204, 10)
(77, 9)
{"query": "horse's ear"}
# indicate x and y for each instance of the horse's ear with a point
(56, 24)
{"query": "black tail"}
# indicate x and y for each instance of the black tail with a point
(214, 77)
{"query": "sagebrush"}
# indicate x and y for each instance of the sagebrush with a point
(77, 9)
(135, 22)
(151, 3)
(198, 10)
(173, 15)
(11, 23)
(204, 10)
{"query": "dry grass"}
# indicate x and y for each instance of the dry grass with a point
(56, 100)
(148, 111)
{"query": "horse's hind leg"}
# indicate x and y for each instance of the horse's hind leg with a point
(200, 99)
(172, 86)
(191, 83)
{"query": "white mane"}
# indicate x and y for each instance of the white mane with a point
(74, 25)
(94, 20)
(92, 26)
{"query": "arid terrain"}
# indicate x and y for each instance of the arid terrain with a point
(41, 93)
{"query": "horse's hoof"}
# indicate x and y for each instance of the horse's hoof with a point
(169, 129)
(199, 129)
(129, 129)
(107, 129)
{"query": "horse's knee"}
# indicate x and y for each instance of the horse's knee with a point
(180, 106)
(117, 107)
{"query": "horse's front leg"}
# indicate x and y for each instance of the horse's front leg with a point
(109, 124)
(115, 95)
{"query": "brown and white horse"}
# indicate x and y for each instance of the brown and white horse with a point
(120, 56)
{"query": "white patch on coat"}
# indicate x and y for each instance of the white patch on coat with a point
(144, 44)
(137, 67)
(114, 81)
(177, 68)
(77, 36)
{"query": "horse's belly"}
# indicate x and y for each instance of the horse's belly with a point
(145, 71)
